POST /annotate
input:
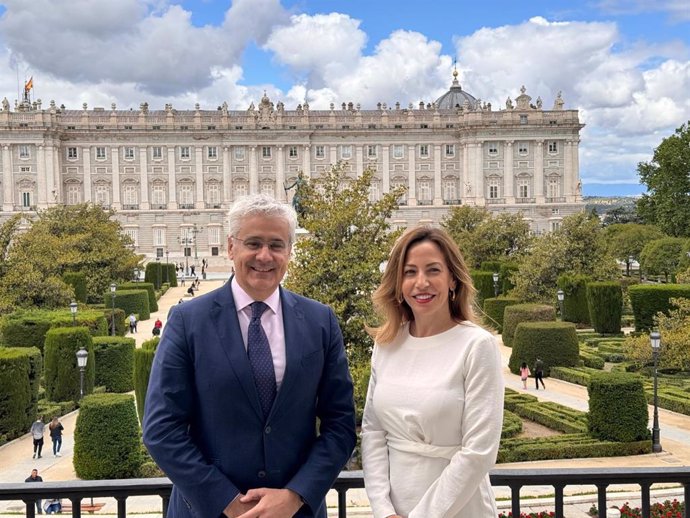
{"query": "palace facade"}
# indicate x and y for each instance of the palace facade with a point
(171, 175)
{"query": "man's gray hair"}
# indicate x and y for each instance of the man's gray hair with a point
(261, 205)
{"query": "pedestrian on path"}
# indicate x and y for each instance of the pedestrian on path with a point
(55, 427)
(132, 323)
(35, 478)
(37, 431)
(539, 373)
(524, 374)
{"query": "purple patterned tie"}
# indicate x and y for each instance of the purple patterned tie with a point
(261, 359)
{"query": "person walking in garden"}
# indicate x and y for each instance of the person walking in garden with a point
(249, 409)
(132, 323)
(524, 374)
(539, 373)
(55, 427)
(34, 477)
(37, 431)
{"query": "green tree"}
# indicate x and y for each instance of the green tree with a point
(482, 236)
(624, 241)
(663, 256)
(338, 262)
(577, 247)
(621, 215)
(76, 238)
(667, 177)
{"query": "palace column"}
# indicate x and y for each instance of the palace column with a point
(438, 196)
(411, 177)
(7, 183)
(508, 175)
(115, 160)
(280, 174)
(172, 178)
(199, 177)
(306, 161)
(143, 162)
(227, 177)
(359, 160)
(253, 171)
(539, 172)
(42, 195)
(385, 166)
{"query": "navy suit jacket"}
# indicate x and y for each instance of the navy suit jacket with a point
(203, 423)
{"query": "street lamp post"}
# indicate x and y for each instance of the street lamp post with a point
(195, 231)
(166, 266)
(158, 273)
(82, 358)
(655, 339)
(73, 310)
(495, 276)
(113, 287)
(561, 297)
(630, 261)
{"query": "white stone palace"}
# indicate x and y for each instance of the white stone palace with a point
(171, 175)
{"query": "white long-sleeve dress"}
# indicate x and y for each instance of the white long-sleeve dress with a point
(432, 424)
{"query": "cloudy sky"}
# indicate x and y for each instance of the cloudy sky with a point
(625, 64)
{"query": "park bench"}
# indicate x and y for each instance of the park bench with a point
(86, 507)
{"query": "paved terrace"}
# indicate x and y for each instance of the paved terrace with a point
(16, 460)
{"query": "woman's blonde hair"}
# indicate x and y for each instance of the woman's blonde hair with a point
(388, 298)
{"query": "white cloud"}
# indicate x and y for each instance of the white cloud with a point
(677, 10)
(159, 50)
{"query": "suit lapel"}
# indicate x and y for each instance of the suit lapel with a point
(293, 325)
(224, 320)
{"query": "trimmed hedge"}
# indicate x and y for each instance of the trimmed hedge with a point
(575, 307)
(143, 362)
(554, 416)
(130, 301)
(590, 359)
(484, 284)
(494, 309)
(171, 278)
(568, 446)
(149, 287)
(25, 329)
(649, 299)
(151, 344)
(18, 389)
(92, 319)
(490, 266)
(617, 407)
(555, 343)
(106, 438)
(121, 325)
(505, 274)
(512, 425)
(605, 301)
(114, 363)
(513, 315)
(61, 370)
(154, 273)
(78, 282)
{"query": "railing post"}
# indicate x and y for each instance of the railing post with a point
(76, 507)
(515, 499)
(342, 503)
(166, 502)
(559, 500)
(686, 493)
(601, 499)
(644, 490)
(121, 506)
(30, 508)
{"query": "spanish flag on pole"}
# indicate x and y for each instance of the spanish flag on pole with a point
(29, 84)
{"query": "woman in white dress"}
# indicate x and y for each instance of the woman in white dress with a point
(434, 410)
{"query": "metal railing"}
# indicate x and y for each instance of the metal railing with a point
(515, 479)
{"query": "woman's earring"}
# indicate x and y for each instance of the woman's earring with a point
(452, 295)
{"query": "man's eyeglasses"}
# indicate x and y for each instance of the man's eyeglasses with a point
(254, 244)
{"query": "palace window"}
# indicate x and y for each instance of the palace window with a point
(319, 152)
(493, 148)
(450, 190)
(493, 189)
(158, 197)
(346, 151)
(100, 153)
(292, 151)
(371, 151)
(26, 199)
(133, 234)
(239, 153)
(157, 152)
(212, 152)
(102, 195)
(129, 153)
(72, 153)
(213, 194)
(523, 188)
(186, 194)
(553, 146)
(73, 194)
(266, 151)
(450, 149)
(213, 235)
(130, 195)
(184, 152)
(552, 188)
(523, 148)
(398, 151)
(24, 151)
(159, 236)
(424, 150)
(424, 190)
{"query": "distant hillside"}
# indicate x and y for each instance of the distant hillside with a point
(603, 204)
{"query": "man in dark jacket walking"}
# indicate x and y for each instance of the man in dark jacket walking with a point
(36, 478)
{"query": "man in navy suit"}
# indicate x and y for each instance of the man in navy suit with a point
(251, 434)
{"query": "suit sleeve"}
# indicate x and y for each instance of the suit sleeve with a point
(481, 424)
(375, 454)
(336, 412)
(168, 413)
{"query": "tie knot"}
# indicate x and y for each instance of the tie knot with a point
(258, 309)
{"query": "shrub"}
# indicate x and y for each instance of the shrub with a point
(494, 309)
(505, 274)
(154, 273)
(62, 379)
(25, 329)
(605, 301)
(143, 361)
(121, 325)
(92, 319)
(647, 300)
(490, 266)
(484, 284)
(617, 407)
(18, 390)
(591, 360)
(171, 277)
(360, 372)
(555, 343)
(151, 344)
(78, 282)
(153, 303)
(130, 301)
(513, 315)
(106, 438)
(575, 308)
(114, 363)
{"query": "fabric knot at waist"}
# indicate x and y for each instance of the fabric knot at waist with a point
(422, 448)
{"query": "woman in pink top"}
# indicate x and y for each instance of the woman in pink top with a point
(524, 374)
